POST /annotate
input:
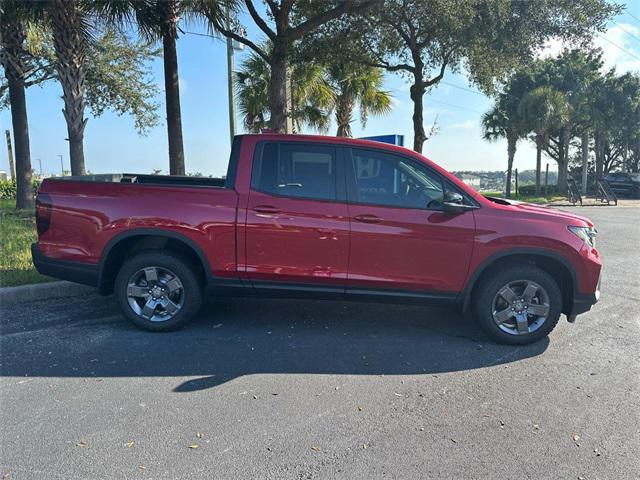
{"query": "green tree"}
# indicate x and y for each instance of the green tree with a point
(572, 73)
(357, 86)
(504, 120)
(158, 20)
(312, 97)
(542, 109)
(284, 23)
(488, 38)
(12, 57)
(118, 78)
(71, 28)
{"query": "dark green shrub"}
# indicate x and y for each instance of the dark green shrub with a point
(8, 188)
(530, 190)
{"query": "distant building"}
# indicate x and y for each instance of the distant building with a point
(3, 175)
(472, 180)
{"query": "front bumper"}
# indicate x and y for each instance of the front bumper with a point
(78, 272)
(582, 302)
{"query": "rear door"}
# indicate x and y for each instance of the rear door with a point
(400, 238)
(297, 226)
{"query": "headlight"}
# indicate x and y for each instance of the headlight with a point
(588, 234)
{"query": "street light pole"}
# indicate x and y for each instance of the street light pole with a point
(232, 102)
(61, 166)
(232, 106)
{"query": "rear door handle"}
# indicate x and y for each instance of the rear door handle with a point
(265, 209)
(367, 219)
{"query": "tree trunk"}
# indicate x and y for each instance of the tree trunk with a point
(12, 38)
(539, 147)
(69, 43)
(417, 91)
(344, 115)
(599, 150)
(563, 161)
(12, 168)
(278, 87)
(511, 153)
(170, 14)
(24, 182)
(585, 162)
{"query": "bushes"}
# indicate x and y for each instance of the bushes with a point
(8, 189)
(530, 190)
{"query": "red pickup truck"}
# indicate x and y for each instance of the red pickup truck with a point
(317, 217)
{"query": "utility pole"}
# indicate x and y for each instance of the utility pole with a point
(585, 162)
(61, 166)
(40, 163)
(12, 168)
(232, 100)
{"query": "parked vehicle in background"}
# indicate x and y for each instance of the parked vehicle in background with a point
(319, 217)
(624, 184)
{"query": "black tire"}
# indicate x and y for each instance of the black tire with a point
(492, 283)
(190, 293)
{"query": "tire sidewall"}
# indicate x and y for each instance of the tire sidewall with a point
(176, 264)
(483, 303)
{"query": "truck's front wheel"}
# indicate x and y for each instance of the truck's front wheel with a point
(158, 290)
(518, 305)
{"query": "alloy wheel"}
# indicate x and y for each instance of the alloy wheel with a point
(155, 293)
(520, 307)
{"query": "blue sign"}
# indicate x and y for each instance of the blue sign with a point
(392, 139)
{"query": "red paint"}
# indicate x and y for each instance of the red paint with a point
(252, 235)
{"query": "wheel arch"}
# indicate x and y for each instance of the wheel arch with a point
(553, 263)
(130, 242)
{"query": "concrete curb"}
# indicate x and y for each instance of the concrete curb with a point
(42, 291)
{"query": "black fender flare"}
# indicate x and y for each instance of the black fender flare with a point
(465, 297)
(158, 232)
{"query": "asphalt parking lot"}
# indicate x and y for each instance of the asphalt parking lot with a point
(305, 389)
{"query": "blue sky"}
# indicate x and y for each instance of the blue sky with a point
(112, 145)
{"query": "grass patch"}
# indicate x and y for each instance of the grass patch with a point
(17, 233)
(520, 198)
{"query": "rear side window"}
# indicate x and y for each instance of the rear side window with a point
(304, 171)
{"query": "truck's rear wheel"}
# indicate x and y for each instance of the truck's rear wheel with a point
(518, 305)
(158, 290)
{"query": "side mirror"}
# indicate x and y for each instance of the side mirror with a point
(454, 203)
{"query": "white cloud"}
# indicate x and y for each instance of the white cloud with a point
(613, 44)
(614, 41)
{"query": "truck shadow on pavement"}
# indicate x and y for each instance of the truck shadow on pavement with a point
(238, 337)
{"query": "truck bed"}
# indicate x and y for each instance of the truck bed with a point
(147, 179)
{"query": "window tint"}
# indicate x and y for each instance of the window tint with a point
(385, 179)
(296, 171)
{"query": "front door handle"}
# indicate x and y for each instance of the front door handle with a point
(265, 209)
(367, 219)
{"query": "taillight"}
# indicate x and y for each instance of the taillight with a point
(43, 212)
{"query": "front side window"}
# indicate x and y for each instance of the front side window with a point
(390, 180)
(305, 171)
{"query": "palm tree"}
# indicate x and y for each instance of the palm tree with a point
(71, 29)
(158, 20)
(500, 123)
(359, 85)
(542, 110)
(312, 97)
(12, 53)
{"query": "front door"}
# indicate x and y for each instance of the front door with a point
(297, 226)
(400, 238)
